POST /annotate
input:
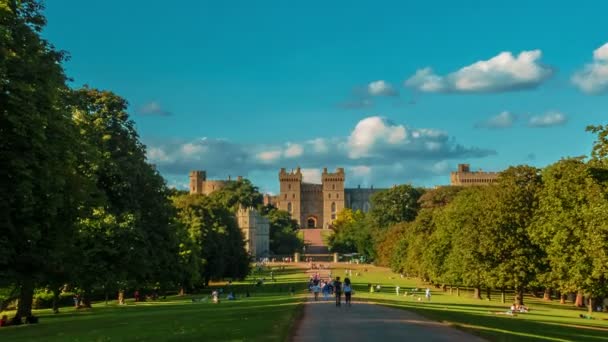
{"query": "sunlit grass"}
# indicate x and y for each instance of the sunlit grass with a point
(545, 321)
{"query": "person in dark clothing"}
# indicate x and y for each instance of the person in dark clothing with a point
(338, 291)
(348, 291)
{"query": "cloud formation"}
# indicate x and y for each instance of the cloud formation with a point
(593, 78)
(375, 149)
(547, 120)
(502, 120)
(381, 88)
(501, 73)
(153, 108)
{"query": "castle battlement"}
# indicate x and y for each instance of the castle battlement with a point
(465, 177)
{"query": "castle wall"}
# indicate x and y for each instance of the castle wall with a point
(312, 205)
(256, 232)
(360, 199)
(465, 177)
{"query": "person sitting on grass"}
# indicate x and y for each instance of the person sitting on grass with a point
(4, 321)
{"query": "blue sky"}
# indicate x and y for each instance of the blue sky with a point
(393, 92)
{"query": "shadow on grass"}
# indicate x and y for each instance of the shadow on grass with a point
(501, 328)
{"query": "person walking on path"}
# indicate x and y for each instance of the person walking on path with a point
(428, 294)
(338, 291)
(348, 291)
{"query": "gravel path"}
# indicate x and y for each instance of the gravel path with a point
(323, 321)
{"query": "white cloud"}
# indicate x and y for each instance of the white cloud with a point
(503, 72)
(593, 78)
(371, 131)
(293, 150)
(153, 108)
(369, 154)
(311, 175)
(547, 120)
(192, 149)
(269, 156)
(381, 88)
(502, 120)
(319, 145)
(156, 154)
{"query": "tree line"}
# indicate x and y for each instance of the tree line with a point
(80, 205)
(534, 230)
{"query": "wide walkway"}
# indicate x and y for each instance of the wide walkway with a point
(323, 321)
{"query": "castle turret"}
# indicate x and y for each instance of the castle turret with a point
(197, 179)
(289, 198)
(333, 195)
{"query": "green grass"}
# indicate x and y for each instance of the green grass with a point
(268, 315)
(547, 321)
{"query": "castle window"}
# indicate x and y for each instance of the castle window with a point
(333, 216)
(337, 195)
(289, 207)
(289, 186)
(333, 186)
(329, 195)
(365, 207)
(333, 207)
(293, 196)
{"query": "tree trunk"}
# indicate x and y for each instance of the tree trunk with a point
(547, 295)
(451, 290)
(86, 299)
(488, 293)
(56, 293)
(590, 305)
(580, 300)
(457, 291)
(502, 295)
(444, 287)
(26, 296)
(562, 298)
(519, 296)
(182, 291)
(477, 293)
(121, 297)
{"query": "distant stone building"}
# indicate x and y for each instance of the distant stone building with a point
(255, 227)
(199, 184)
(256, 230)
(318, 205)
(465, 177)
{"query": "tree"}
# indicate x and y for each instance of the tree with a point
(240, 193)
(37, 156)
(283, 231)
(213, 240)
(398, 204)
(128, 191)
(571, 227)
(517, 258)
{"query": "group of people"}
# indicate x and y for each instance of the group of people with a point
(331, 287)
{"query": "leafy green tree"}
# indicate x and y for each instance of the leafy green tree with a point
(283, 231)
(571, 227)
(518, 260)
(215, 243)
(398, 204)
(125, 186)
(239, 193)
(38, 205)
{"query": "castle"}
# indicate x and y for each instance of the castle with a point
(255, 227)
(317, 205)
(465, 177)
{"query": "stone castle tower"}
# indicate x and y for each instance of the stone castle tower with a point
(199, 184)
(312, 205)
(256, 230)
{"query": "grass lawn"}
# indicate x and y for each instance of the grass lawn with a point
(268, 315)
(548, 321)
